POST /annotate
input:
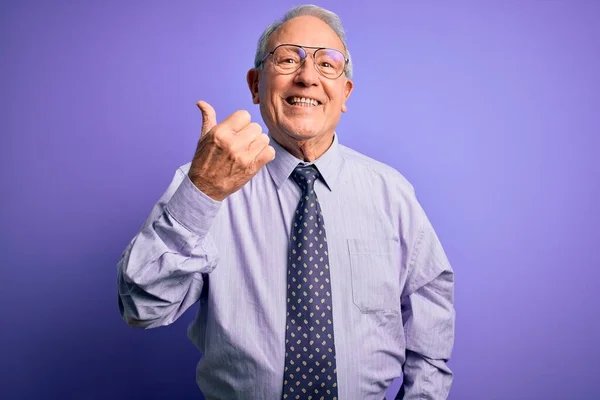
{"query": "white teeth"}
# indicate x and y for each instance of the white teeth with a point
(305, 101)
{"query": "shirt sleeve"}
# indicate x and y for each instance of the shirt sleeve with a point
(428, 316)
(160, 273)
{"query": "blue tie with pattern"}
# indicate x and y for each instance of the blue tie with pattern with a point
(310, 370)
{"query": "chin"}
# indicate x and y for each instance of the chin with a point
(301, 133)
(302, 129)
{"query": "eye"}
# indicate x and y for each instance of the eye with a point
(287, 61)
(326, 64)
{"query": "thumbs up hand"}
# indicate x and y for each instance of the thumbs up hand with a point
(228, 154)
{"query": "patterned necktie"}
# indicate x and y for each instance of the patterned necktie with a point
(310, 370)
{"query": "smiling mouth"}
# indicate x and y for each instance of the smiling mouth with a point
(302, 101)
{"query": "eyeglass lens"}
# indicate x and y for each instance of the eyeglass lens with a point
(288, 59)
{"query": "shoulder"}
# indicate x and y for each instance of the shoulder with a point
(375, 171)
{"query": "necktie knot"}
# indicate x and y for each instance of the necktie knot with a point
(305, 177)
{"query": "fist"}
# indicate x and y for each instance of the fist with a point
(228, 154)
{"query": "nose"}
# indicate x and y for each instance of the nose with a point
(307, 74)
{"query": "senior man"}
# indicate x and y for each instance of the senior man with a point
(318, 274)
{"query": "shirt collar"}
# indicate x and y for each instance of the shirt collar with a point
(329, 164)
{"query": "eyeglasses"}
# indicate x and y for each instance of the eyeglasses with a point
(288, 58)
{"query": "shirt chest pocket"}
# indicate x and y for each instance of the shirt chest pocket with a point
(375, 269)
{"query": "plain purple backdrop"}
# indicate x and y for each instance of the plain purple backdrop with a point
(490, 110)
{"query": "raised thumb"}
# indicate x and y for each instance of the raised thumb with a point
(209, 116)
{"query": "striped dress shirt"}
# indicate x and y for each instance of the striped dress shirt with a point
(392, 285)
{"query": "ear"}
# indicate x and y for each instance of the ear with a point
(348, 86)
(253, 78)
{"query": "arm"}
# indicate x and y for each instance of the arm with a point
(160, 271)
(428, 316)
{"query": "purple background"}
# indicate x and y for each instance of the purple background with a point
(490, 110)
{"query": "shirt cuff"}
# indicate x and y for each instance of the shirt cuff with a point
(192, 208)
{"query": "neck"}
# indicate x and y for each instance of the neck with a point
(307, 150)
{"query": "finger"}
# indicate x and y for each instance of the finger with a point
(266, 155)
(240, 141)
(250, 131)
(237, 121)
(257, 145)
(209, 116)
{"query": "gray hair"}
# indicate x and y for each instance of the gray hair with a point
(329, 17)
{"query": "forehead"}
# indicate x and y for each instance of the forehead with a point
(306, 31)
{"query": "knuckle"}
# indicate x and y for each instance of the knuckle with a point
(243, 115)
(255, 127)
(221, 138)
(217, 138)
(217, 132)
(265, 139)
(262, 140)
(237, 158)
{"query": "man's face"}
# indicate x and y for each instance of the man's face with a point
(275, 92)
